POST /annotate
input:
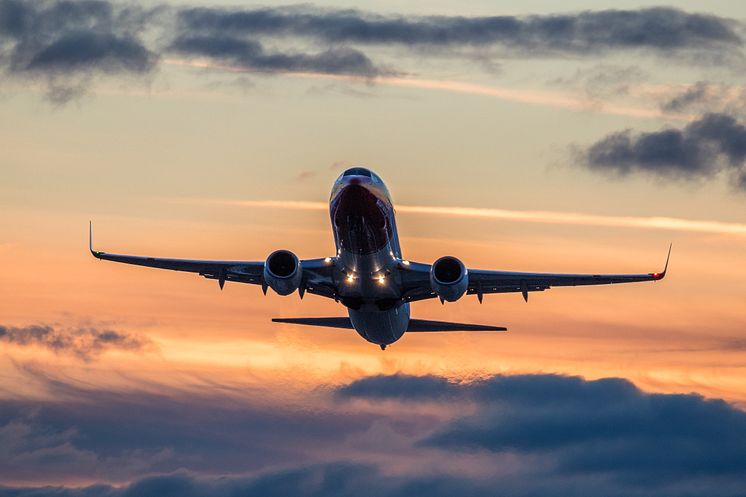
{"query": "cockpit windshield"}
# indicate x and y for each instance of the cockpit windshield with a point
(357, 171)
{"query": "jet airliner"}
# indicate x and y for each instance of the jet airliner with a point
(368, 274)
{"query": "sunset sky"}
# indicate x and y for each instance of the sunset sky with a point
(524, 136)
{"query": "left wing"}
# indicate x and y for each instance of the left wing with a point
(316, 278)
(483, 282)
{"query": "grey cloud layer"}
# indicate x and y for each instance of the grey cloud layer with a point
(701, 149)
(66, 39)
(662, 29)
(563, 436)
(82, 342)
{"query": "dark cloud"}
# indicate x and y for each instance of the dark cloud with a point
(122, 435)
(327, 480)
(250, 54)
(690, 96)
(707, 97)
(605, 427)
(661, 29)
(83, 51)
(72, 35)
(702, 149)
(84, 342)
(557, 435)
(67, 42)
(359, 480)
(402, 387)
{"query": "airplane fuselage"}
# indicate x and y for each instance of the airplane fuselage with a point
(368, 256)
(368, 275)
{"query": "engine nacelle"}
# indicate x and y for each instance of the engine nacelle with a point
(449, 278)
(282, 272)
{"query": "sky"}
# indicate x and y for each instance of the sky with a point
(523, 136)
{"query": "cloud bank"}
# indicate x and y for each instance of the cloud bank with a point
(710, 145)
(524, 434)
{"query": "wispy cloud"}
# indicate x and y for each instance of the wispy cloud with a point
(537, 97)
(85, 342)
(543, 217)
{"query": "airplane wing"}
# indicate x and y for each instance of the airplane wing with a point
(482, 282)
(316, 277)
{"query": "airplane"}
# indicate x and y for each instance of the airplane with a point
(368, 274)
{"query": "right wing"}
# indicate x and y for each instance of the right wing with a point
(482, 282)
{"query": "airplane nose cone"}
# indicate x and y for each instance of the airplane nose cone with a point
(357, 176)
(357, 179)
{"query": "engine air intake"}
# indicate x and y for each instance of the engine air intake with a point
(282, 263)
(282, 272)
(448, 278)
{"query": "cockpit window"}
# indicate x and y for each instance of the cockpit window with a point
(357, 171)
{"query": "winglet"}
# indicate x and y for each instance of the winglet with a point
(95, 253)
(660, 276)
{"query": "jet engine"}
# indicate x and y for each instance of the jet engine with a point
(282, 272)
(449, 278)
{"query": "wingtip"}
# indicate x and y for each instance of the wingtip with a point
(668, 257)
(662, 274)
(94, 253)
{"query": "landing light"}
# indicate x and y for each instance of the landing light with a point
(328, 260)
(406, 263)
(381, 280)
(350, 278)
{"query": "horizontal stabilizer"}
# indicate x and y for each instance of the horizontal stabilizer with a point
(415, 325)
(425, 325)
(325, 322)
